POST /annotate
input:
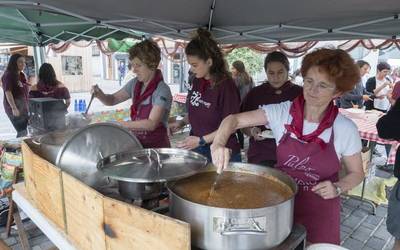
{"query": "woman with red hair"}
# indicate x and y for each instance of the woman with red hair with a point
(313, 139)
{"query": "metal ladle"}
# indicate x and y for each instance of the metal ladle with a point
(90, 103)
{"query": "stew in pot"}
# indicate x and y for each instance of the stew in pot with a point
(235, 190)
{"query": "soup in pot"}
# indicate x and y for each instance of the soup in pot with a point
(234, 190)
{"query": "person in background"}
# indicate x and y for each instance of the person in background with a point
(298, 79)
(395, 94)
(212, 96)
(151, 97)
(49, 86)
(395, 75)
(388, 128)
(380, 86)
(243, 80)
(314, 140)
(245, 83)
(16, 90)
(275, 90)
(355, 98)
(121, 72)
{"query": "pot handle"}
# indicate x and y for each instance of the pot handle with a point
(243, 231)
(36, 140)
(241, 226)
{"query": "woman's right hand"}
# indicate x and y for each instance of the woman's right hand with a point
(176, 126)
(15, 112)
(220, 156)
(96, 91)
(255, 133)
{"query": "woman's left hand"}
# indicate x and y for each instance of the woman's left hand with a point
(325, 189)
(189, 143)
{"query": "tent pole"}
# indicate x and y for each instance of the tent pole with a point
(53, 38)
(369, 22)
(304, 36)
(38, 57)
(361, 34)
(211, 15)
(261, 38)
(31, 27)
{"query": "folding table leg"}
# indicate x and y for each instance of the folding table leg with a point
(21, 230)
(10, 218)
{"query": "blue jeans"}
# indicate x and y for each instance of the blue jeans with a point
(205, 150)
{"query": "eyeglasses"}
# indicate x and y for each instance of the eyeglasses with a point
(321, 86)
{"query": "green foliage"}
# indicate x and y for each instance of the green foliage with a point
(253, 61)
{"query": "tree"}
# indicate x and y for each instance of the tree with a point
(252, 61)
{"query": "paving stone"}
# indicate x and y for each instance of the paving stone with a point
(47, 245)
(374, 220)
(352, 222)
(346, 210)
(382, 232)
(352, 203)
(390, 244)
(16, 247)
(346, 229)
(353, 244)
(360, 213)
(376, 243)
(37, 248)
(381, 211)
(38, 240)
(10, 241)
(343, 236)
(361, 234)
(34, 233)
(368, 248)
(367, 225)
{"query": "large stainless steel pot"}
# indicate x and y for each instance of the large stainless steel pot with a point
(78, 151)
(48, 145)
(141, 174)
(222, 228)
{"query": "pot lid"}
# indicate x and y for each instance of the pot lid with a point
(81, 152)
(152, 165)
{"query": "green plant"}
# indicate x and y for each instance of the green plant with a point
(253, 61)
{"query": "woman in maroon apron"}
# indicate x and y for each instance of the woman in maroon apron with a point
(151, 97)
(262, 150)
(313, 139)
(49, 86)
(16, 90)
(212, 96)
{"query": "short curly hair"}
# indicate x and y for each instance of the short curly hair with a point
(146, 51)
(337, 64)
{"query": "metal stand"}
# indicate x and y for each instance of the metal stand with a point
(371, 146)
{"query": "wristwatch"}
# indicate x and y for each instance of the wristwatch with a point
(202, 142)
(338, 189)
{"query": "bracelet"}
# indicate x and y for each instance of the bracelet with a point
(339, 190)
(252, 131)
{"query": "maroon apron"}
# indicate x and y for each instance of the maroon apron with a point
(157, 138)
(308, 164)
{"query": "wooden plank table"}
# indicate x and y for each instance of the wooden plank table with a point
(51, 230)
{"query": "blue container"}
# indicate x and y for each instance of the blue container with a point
(80, 105)
(76, 106)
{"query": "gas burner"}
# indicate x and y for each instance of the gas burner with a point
(158, 204)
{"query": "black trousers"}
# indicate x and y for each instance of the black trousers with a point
(20, 124)
(240, 138)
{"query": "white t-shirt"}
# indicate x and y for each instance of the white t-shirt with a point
(382, 104)
(346, 139)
